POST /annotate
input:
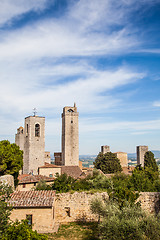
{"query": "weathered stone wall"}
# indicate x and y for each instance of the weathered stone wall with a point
(8, 180)
(122, 156)
(150, 201)
(43, 218)
(72, 207)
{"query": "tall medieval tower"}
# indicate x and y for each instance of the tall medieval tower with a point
(34, 144)
(70, 136)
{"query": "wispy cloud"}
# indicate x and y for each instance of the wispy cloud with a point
(10, 10)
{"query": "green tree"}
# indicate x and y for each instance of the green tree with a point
(11, 158)
(42, 185)
(20, 230)
(128, 222)
(149, 161)
(63, 183)
(108, 163)
(5, 209)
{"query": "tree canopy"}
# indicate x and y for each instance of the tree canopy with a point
(107, 163)
(149, 161)
(11, 158)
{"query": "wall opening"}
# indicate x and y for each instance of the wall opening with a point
(37, 130)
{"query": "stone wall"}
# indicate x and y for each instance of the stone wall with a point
(8, 180)
(150, 201)
(72, 207)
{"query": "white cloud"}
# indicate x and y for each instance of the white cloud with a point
(10, 9)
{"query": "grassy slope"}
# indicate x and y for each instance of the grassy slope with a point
(76, 231)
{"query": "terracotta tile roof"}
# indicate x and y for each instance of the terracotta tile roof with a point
(34, 179)
(73, 171)
(48, 165)
(41, 198)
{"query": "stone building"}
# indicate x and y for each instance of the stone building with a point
(36, 206)
(122, 156)
(141, 150)
(19, 138)
(28, 182)
(31, 140)
(105, 149)
(70, 136)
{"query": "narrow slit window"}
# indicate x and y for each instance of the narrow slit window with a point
(29, 218)
(37, 130)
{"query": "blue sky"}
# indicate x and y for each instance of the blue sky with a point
(102, 54)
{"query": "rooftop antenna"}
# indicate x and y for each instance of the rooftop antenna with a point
(34, 112)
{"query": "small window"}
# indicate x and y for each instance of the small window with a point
(27, 128)
(34, 184)
(24, 185)
(71, 121)
(68, 211)
(37, 130)
(29, 218)
(70, 110)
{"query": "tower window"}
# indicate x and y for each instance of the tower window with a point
(37, 130)
(71, 121)
(27, 128)
(70, 110)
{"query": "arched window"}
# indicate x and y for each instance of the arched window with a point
(37, 130)
(70, 110)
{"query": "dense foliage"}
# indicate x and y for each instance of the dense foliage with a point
(5, 210)
(13, 231)
(107, 163)
(149, 161)
(42, 185)
(11, 158)
(127, 222)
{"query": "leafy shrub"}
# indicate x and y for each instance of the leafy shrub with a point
(128, 222)
(22, 231)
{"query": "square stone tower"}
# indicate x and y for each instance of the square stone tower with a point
(105, 149)
(34, 144)
(141, 150)
(70, 136)
(122, 156)
(19, 138)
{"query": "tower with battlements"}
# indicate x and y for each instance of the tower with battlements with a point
(70, 136)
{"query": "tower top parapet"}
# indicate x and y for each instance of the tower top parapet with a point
(68, 110)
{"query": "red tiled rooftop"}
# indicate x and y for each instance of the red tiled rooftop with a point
(33, 178)
(73, 171)
(41, 198)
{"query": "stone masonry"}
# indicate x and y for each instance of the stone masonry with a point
(72, 207)
(70, 136)
(141, 150)
(105, 149)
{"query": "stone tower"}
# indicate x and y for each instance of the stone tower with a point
(34, 144)
(105, 149)
(19, 138)
(70, 136)
(141, 150)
